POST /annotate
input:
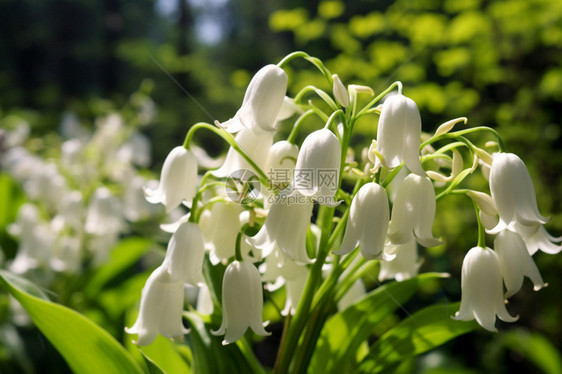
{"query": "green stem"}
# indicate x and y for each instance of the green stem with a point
(481, 229)
(313, 60)
(379, 97)
(230, 140)
(296, 127)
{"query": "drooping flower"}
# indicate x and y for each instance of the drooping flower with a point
(184, 256)
(262, 102)
(398, 134)
(516, 202)
(161, 308)
(404, 265)
(178, 180)
(285, 226)
(318, 166)
(516, 262)
(242, 302)
(482, 289)
(367, 223)
(513, 192)
(413, 212)
(220, 226)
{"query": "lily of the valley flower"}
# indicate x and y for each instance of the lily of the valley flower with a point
(161, 308)
(318, 166)
(262, 102)
(482, 289)
(413, 212)
(184, 256)
(367, 223)
(178, 180)
(285, 226)
(220, 226)
(242, 302)
(516, 262)
(513, 192)
(514, 195)
(398, 134)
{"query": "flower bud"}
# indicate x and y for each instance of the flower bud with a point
(340, 92)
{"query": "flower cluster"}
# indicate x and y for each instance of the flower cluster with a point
(313, 231)
(81, 196)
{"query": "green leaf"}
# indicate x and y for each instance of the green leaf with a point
(343, 333)
(86, 347)
(126, 254)
(152, 366)
(419, 333)
(163, 353)
(536, 348)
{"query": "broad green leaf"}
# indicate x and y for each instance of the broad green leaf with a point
(86, 347)
(152, 366)
(343, 333)
(163, 353)
(419, 333)
(122, 257)
(536, 348)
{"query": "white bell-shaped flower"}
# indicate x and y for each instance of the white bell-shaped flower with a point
(413, 212)
(286, 226)
(105, 213)
(178, 180)
(262, 102)
(255, 145)
(220, 226)
(318, 166)
(281, 164)
(404, 265)
(161, 309)
(184, 256)
(482, 289)
(514, 195)
(367, 224)
(516, 262)
(513, 192)
(242, 302)
(398, 134)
